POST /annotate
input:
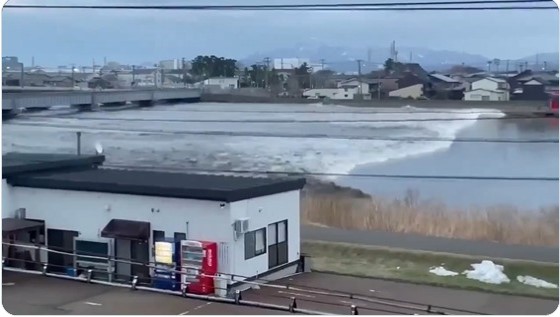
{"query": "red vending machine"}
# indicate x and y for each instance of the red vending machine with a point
(199, 264)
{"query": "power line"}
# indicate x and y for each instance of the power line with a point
(386, 6)
(359, 175)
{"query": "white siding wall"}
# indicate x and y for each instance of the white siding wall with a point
(484, 95)
(86, 212)
(224, 83)
(484, 84)
(7, 210)
(89, 212)
(414, 91)
(332, 93)
(261, 212)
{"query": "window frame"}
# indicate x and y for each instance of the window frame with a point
(278, 252)
(250, 250)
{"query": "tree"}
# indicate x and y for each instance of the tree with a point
(323, 79)
(389, 65)
(303, 75)
(213, 66)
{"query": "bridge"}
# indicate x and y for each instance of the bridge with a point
(13, 102)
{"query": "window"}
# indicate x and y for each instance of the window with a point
(158, 235)
(255, 243)
(178, 236)
(277, 243)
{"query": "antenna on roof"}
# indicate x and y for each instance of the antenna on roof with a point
(98, 148)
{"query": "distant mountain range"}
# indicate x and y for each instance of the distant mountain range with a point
(343, 59)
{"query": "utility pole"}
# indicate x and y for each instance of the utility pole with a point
(322, 64)
(73, 66)
(93, 66)
(267, 61)
(133, 75)
(359, 75)
(184, 71)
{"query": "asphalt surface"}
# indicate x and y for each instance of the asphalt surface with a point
(398, 298)
(425, 243)
(27, 294)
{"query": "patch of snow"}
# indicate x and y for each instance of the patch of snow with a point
(441, 271)
(533, 281)
(487, 272)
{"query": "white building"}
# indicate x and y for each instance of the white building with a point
(121, 212)
(361, 85)
(221, 82)
(171, 64)
(414, 92)
(486, 95)
(488, 89)
(347, 93)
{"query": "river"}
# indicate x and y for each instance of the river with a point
(326, 140)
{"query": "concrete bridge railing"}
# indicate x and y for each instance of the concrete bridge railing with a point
(45, 100)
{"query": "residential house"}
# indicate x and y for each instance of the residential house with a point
(341, 93)
(488, 89)
(138, 77)
(221, 82)
(363, 85)
(445, 87)
(410, 92)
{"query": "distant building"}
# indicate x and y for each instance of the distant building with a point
(488, 89)
(221, 82)
(341, 93)
(172, 64)
(486, 95)
(410, 92)
(10, 63)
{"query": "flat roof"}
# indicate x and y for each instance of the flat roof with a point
(15, 163)
(161, 184)
(16, 224)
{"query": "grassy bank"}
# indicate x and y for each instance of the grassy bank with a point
(413, 266)
(350, 209)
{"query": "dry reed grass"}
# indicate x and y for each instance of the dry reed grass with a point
(504, 224)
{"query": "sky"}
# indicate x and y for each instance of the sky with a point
(64, 36)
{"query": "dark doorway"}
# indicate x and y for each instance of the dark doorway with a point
(277, 243)
(60, 240)
(139, 252)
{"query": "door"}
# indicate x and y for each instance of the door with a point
(139, 252)
(122, 252)
(60, 240)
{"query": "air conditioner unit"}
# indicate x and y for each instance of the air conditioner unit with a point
(240, 226)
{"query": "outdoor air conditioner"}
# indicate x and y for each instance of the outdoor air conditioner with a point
(240, 226)
(20, 213)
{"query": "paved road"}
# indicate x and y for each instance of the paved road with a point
(378, 297)
(26, 294)
(417, 242)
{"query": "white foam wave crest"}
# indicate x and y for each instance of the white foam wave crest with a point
(336, 156)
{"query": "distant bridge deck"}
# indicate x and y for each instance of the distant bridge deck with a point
(43, 100)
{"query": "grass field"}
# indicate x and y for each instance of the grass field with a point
(503, 224)
(413, 266)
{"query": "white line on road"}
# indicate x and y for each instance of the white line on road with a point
(196, 308)
(93, 304)
(297, 294)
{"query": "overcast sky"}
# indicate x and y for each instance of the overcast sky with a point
(56, 37)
